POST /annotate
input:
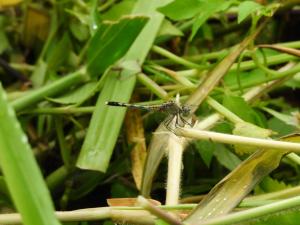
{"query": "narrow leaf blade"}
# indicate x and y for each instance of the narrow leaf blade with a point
(111, 41)
(235, 186)
(22, 175)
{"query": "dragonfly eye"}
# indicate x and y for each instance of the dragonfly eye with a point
(185, 110)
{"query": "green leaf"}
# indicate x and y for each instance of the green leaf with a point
(206, 150)
(228, 193)
(80, 31)
(99, 143)
(39, 74)
(58, 55)
(3, 37)
(208, 8)
(120, 9)
(181, 9)
(51, 89)
(167, 28)
(111, 41)
(241, 108)
(77, 95)
(246, 8)
(294, 82)
(290, 119)
(226, 157)
(269, 184)
(119, 190)
(160, 222)
(280, 127)
(22, 175)
(249, 130)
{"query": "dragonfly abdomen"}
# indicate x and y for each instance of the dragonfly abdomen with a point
(121, 104)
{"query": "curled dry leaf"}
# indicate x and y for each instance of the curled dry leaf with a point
(135, 136)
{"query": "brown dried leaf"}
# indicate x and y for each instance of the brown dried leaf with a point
(127, 202)
(135, 136)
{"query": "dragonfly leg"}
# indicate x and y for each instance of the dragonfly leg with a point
(177, 120)
(168, 122)
(185, 121)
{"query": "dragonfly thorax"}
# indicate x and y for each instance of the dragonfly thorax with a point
(185, 111)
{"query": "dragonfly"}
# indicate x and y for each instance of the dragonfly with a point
(171, 108)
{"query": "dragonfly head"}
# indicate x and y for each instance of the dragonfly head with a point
(185, 110)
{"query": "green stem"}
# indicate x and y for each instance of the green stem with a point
(158, 212)
(61, 110)
(22, 66)
(176, 58)
(247, 65)
(63, 147)
(57, 178)
(265, 210)
(235, 139)
(50, 89)
(152, 86)
(218, 54)
(294, 157)
(276, 75)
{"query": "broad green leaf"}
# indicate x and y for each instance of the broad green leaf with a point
(238, 106)
(119, 190)
(99, 143)
(111, 42)
(120, 9)
(290, 119)
(80, 31)
(269, 184)
(206, 150)
(22, 174)
(236, 185)
(234, 79)
(167, 28)
(200, 9)
(208, 8)
(226, 157)
(280, 127)
(78, 95)
(50, 90)
(181, 9)
(246, 8)
(59, 53)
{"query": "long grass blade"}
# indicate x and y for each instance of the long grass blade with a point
(21, 172)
